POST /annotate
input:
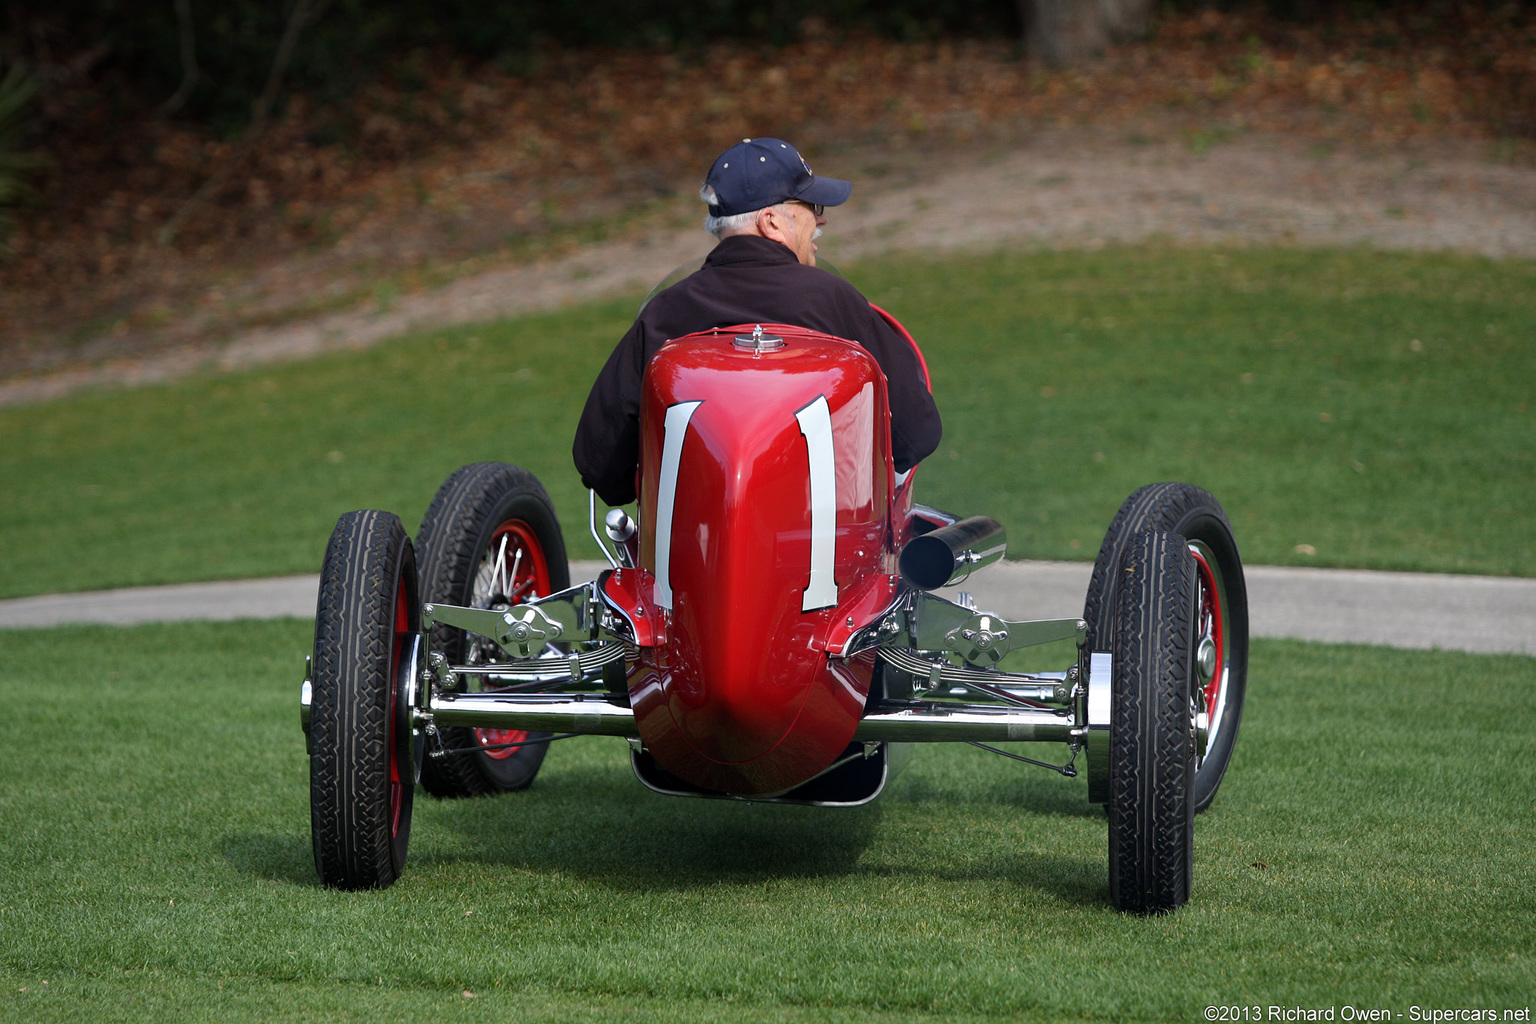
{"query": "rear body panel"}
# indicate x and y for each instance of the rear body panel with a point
(766, 503)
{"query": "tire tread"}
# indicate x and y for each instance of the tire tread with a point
(350, 811)
(1150, 798)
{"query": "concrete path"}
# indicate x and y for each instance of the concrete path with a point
(1412, 610)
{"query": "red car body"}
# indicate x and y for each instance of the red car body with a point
(772, 522)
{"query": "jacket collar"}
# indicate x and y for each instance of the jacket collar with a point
(749, 250)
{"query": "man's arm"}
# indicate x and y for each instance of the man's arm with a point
(607, 446)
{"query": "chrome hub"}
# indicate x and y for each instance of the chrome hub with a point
(1205, 660)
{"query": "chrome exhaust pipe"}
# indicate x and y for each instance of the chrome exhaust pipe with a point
(944, 557)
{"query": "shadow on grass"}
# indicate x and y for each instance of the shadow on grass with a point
(1076, 881)
(277, 858)
(603, 825)
(1031, 789)
(598, 825)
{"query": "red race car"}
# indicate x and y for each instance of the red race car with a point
(768, 630)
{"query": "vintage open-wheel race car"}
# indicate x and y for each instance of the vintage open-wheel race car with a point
(767, 630)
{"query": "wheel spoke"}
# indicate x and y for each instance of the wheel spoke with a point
(526, 576)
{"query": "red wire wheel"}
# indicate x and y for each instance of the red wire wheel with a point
(517, 561)
(490, 539)
(1219, 652)
(1211, 611)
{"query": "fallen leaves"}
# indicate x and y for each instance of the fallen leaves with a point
(457, 159)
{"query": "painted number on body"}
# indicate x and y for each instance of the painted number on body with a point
(816, 427)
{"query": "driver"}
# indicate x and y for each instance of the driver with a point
(767, 209)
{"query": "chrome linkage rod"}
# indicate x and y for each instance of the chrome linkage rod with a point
(1067, 769)
(440, 751)
(1010, 687)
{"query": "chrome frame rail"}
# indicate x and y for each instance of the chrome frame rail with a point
(918, 636)
(585, 714)
(928, 722)
(888, 722)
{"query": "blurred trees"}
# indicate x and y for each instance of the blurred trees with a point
(17, 160)
(183, 89)
(210, 59)
(464, 125)
(1066, 31)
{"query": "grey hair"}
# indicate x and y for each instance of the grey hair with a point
(727, 225)
(732, 223)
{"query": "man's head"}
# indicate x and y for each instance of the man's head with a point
(765, 187)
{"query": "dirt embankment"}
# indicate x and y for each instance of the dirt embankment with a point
(473, 194)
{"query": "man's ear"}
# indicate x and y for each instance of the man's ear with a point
(771, 223)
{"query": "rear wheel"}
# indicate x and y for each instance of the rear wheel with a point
(1151, 768)
(363, 755)
(1221, 641)
(489, 540)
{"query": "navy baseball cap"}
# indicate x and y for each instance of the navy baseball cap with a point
(757, 173)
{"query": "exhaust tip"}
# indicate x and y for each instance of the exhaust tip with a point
(949, 554)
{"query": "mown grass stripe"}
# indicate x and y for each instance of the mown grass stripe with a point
(1370, 844)
(1347, 408)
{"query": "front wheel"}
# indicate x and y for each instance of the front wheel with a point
(1151, 740)
(1220, 645)
(363, 753)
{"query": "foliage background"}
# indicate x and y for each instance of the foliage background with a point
(140, 44)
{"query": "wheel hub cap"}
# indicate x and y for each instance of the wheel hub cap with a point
(1205, 660)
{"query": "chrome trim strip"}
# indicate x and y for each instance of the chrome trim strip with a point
(673, 431)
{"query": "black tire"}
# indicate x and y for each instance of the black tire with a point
(362, 754)
(1223, 601)
(460, 537)
(1151, 756)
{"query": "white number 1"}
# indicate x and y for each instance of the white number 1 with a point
(816, 426)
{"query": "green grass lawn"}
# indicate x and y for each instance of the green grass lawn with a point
(1371, 846)
(1349, 408)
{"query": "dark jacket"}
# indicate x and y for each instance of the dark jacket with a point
(747, 279)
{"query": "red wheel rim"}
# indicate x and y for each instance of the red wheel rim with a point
(523, 573)
(1211, 625)
(397, 650)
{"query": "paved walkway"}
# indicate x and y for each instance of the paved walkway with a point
(1483, 614)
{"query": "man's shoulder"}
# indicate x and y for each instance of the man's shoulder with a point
(823, 286)
(819, 283)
